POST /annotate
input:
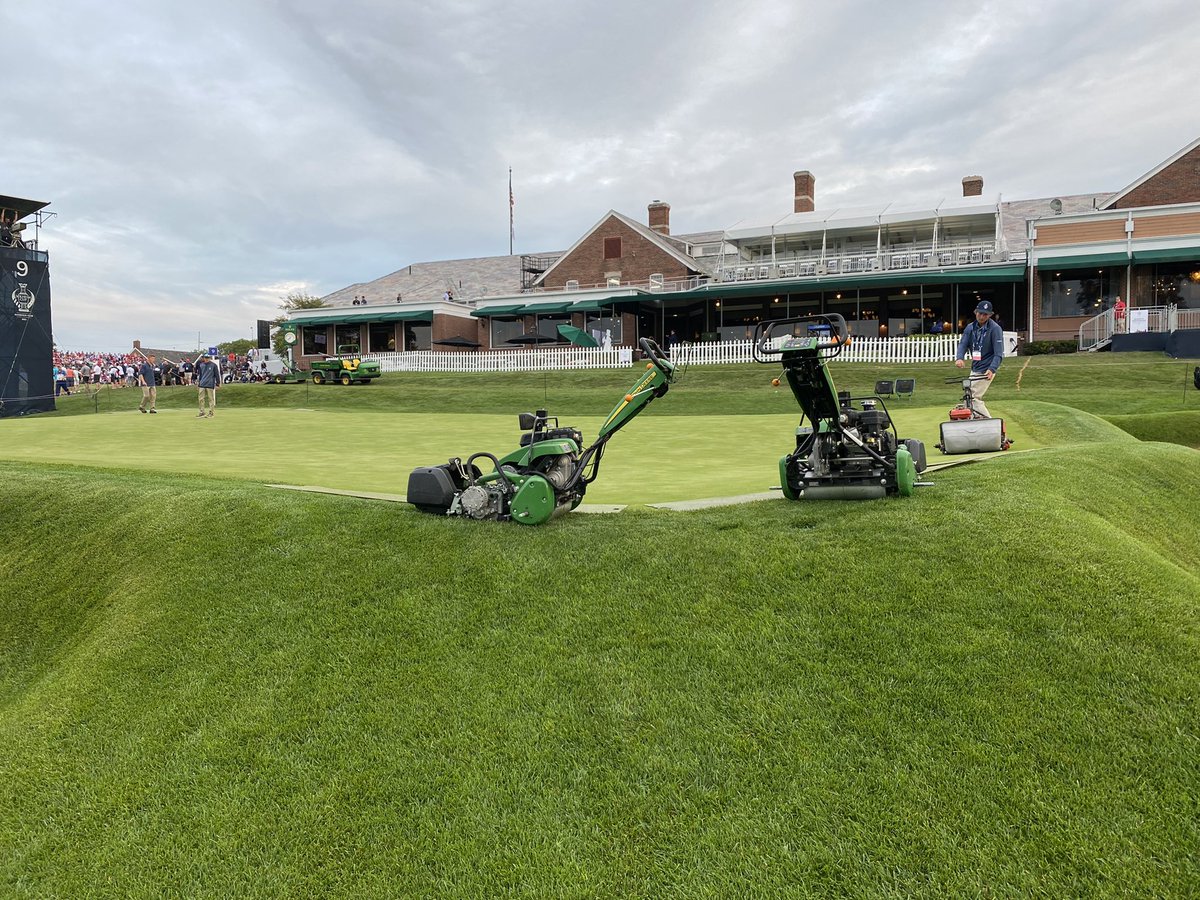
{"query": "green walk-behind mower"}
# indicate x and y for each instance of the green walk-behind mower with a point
(550, 471)
(968, 430)
(849, 450)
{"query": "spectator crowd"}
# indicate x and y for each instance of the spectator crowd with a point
(75, 369)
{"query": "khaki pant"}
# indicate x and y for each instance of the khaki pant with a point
(149, 394)
(210, 395)
(978, 389)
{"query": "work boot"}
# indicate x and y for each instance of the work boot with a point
(154, 410)
(141, 409)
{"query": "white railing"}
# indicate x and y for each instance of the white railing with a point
(838, 262)
(1097, 331)
(1187, 318)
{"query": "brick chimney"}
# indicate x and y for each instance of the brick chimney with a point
(973, 186)
(660, 217)
(806, 187)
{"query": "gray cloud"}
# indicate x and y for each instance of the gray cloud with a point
(205, 160)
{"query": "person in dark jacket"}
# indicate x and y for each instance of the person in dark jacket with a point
(148, 378)
(208, 379)
(983, 342)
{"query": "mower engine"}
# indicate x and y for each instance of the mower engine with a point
(850, 462)
(532, 485)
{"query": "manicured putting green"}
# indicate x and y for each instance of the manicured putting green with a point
(655, 459)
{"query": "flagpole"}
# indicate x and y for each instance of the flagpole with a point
(511, 230)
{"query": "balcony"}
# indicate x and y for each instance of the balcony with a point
(908, 258)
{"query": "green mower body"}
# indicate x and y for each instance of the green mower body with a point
(849, 450)
(547, 475)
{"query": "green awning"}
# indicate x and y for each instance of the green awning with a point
(406, 315)
(1083, 261)
(586, 306)
(545, 309)
(1167, 254)
(977, 276)
(498, 310)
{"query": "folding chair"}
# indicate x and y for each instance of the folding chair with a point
(883, 388)
(905, 387)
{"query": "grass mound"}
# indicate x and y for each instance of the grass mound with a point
(1055, 425)
(1175, 428)
(989, 688)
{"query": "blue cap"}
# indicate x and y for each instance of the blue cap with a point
(985, 306)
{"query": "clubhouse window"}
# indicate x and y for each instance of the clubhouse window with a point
(314, 340)
(603, 328)
(1075, 292)
(505, 329)
(1177, 283)
(417, 336)
(382, 337)
(349, 339)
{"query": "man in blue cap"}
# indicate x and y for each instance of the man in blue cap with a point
(983, 339)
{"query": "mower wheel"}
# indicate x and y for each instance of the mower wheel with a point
(906, 472)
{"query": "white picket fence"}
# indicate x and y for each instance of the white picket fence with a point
(934, 348)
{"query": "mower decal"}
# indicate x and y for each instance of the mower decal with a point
(637, 389)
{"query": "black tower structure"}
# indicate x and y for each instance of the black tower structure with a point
(26, 335)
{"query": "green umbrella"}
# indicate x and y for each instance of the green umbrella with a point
(577, 336)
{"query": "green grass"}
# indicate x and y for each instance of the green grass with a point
(1176, 428)
(1104, 384)
(655, 459)
(989, 689)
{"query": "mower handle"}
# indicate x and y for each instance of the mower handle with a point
(655, 355)
(762, 334)
(961, 378)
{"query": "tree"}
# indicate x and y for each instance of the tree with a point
(241, 347)
(294, 300)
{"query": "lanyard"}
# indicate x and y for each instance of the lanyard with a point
(978, 338)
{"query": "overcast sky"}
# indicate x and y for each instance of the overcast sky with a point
(205, 159)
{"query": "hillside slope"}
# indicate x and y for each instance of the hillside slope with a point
(988, 688)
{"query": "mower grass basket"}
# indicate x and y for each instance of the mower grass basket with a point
(549, 472)
(847, 451)
(968, 431)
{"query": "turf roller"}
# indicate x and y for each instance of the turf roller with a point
(968, 431)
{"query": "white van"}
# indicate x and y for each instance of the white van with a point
(261, 358)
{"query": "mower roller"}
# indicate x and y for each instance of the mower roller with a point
(847, 451)
(548, 474)
(968, 431)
